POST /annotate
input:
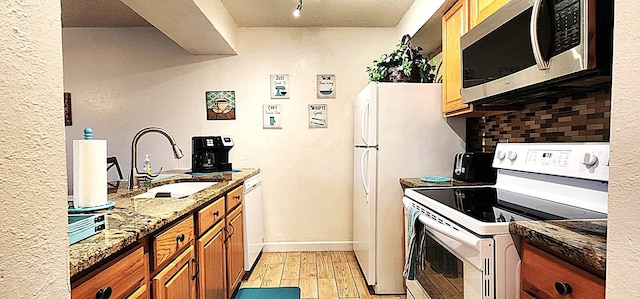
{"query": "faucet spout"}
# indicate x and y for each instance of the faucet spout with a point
(134, 176)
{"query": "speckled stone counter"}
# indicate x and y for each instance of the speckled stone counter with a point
(581, 242)
(133, 219)
(418, 183)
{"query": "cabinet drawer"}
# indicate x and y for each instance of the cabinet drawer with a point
(172, 241)
(121, 279)
(541, 272)
(210, 215)
(234, 198)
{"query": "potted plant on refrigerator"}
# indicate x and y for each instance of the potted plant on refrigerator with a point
(402, 64)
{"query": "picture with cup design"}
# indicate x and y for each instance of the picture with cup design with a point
(221, 105)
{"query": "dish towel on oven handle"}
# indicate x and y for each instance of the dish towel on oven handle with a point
(415, 243)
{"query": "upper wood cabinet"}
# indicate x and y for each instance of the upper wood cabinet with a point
(461, 17)
(454, 25)
(481, 9)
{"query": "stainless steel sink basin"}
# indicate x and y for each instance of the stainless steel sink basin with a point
(176, 190)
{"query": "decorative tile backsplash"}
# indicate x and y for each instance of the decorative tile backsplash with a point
(571, 119)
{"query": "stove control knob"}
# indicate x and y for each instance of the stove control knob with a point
(590, 159)
(512, 156)
(500, 155)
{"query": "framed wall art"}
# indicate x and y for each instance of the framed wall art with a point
(280, 86)
(326, 86)
(318, 116)
(221, 105)
(67, 109)
(272, 116)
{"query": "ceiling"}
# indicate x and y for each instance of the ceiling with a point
(251, 13)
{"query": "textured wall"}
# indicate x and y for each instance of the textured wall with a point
(571, 119)
(124, 79)
(623, 237)
(34, 260)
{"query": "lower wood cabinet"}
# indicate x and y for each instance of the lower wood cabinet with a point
(546, 276)
(198, 256)
(122, 278)
(178, 278)
(235, 249)
(212, 257)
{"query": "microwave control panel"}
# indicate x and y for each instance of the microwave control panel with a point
(567, 25)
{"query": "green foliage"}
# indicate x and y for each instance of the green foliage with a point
(401, 57)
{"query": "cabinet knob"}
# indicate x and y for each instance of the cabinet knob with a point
(180, 238)
(216, 213)
(563, 288)
(104, 293)
(237, 197)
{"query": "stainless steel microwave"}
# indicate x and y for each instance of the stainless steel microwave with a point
(535, 48)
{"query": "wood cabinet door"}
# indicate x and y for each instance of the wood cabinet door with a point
(481, 9)
(546, 276)
(235, 249)
(125, 276)
(178, 279)
(454, 25)
(213, 267)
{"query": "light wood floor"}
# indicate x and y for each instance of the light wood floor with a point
(320, 275)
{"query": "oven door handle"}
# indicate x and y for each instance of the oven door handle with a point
(466, 239)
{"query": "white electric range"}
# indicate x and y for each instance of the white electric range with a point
(468, 248)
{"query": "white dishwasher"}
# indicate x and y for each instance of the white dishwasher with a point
(252, 220)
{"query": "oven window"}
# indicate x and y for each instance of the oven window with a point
(442, 274)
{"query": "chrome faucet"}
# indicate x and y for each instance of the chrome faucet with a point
(134, 176)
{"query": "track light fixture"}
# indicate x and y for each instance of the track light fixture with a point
(296, 13)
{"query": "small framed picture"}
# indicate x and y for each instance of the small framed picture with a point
(272, 116)
(221, 105)
(318, 116)
(280, 86)
(326, 86)
(67, 109)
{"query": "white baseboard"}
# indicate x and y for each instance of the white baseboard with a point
(308, 246)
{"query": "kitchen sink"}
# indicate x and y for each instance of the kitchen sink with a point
(176, 190)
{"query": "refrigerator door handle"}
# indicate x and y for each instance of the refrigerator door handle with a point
(365, 116)
(362, 176)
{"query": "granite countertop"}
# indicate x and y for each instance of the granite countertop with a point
(418, 183)
(580, 241)
(131, 219)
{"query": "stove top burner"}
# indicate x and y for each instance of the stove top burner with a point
(491, 205)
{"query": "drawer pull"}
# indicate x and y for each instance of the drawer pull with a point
(563, 288)
(216, 213)
(104, 293)
(232, 231)
(195, 262)
(180, 238)
(237, 197)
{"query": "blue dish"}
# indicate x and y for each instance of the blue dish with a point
(435, 179)
(82, 210)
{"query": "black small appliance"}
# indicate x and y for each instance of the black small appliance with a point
(474, 167)
(210, 153)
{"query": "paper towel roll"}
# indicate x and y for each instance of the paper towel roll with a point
(89, 173)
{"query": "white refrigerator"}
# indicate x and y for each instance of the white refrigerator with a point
(399, 131)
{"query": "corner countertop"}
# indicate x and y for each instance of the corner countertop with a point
(133, 219)
(580, 241)
(418, 183)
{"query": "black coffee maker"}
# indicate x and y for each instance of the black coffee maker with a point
(210, 153)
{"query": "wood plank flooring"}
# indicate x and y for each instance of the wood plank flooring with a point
(320, 275)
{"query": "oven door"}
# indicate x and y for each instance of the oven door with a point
(458, 264)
